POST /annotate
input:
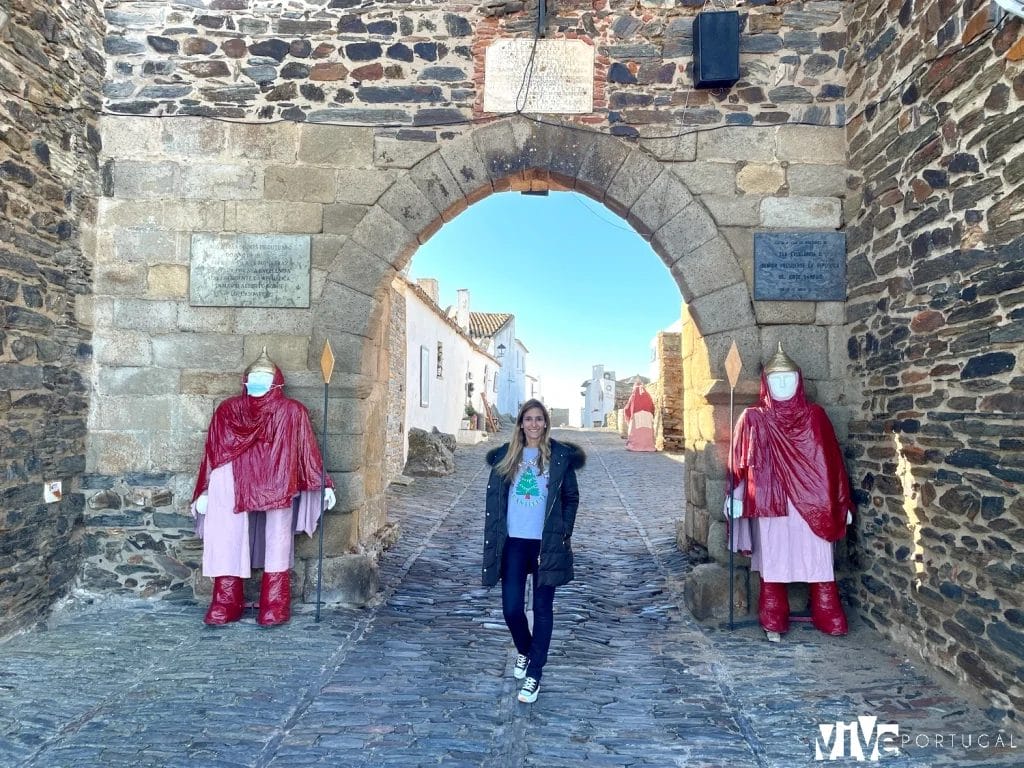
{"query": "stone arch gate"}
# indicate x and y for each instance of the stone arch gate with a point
(368, 201)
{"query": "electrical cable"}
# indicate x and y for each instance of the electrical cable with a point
(528, 72)
(579, 199)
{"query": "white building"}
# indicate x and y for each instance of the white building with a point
(533, 388)
(445, 369)
(598, 397)
(495, 333)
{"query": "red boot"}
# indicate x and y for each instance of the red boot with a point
(773, 607)
(228, 603)
(826, 609)
(275, 598)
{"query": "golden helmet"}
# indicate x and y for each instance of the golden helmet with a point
(262, 364)
(780, 361)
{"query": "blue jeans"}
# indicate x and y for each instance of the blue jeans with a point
(517, 561)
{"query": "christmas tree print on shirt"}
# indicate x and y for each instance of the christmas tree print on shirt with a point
(527, 489)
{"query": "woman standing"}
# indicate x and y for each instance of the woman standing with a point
(532, 498)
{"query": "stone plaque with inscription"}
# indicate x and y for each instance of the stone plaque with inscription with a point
(249, 270)
(800, 266)
(559, 78)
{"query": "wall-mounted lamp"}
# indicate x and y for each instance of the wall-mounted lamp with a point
(501, 350)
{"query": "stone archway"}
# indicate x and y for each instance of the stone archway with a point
(367, 199)
(638, 182)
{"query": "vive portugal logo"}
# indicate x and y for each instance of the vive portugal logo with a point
(866, 739)
(861, 739)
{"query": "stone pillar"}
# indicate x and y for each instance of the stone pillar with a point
(396, 385)
(669, 424)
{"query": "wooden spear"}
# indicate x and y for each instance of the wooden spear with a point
(327, 368)
(733, 365)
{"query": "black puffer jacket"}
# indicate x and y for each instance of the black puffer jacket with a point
(559, 517)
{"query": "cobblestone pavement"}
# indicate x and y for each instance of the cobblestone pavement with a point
(423, 676)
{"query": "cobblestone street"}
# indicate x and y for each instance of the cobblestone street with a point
(423, 676)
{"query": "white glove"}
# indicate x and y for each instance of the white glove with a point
(200, 504)
(849, 517)
(329, 498)
(735, 508)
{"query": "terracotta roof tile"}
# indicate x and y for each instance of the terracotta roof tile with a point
(486, 324)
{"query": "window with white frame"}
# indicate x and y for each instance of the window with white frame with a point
(424, 377)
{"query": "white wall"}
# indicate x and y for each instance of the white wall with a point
(446, 396)
(507, 397)
(600, 398)
(482, 367)
(519, 390)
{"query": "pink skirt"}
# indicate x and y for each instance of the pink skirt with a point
(641, 432)
(236, 542)
(785, 549)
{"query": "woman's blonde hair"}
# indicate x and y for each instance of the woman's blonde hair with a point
(508, 466)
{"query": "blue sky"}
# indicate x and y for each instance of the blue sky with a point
(584, 287)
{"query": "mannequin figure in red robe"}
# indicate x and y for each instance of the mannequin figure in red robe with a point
(640, 416)
(259, 483)
(791, 498)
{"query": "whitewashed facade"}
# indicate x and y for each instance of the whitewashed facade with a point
(599, 397)
(445, 368)
(495, 333)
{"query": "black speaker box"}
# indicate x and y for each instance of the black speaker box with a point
(716, 49)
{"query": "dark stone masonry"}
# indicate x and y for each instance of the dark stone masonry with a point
(301, 62)
(935, 310)
(128, 126)
(51, 77)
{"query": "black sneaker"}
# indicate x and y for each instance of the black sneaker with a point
(531, 687)
(519, 671)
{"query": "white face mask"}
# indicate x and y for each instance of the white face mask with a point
(258, 383)
(782, 384)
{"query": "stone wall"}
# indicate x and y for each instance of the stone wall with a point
(161, 364)
(936, 321)
(376, 144)
(397, 366)
(51, 74)
(420, 67)
(668, 401)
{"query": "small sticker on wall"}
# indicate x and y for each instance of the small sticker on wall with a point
(52, 491)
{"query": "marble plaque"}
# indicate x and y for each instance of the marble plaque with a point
(249, 270)
(559, 80)
(800, 266)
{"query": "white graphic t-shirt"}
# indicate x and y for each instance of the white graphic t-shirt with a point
(527, 498)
